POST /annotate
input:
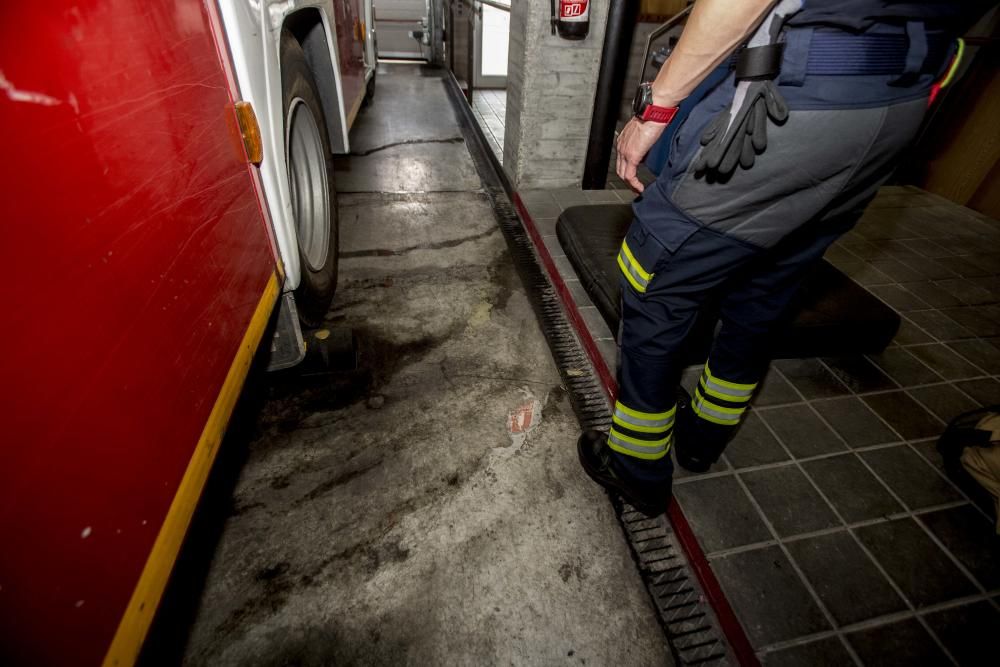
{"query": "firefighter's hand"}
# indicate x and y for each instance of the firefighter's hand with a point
(635, 140)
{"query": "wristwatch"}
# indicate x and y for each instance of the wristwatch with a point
(644, 109)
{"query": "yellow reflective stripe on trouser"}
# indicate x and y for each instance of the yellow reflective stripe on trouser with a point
(715, 413)
(735, 386)
(637, 276)
(643, 422)
(711, 388)
(641, 449)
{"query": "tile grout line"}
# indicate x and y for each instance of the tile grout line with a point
(882, 571)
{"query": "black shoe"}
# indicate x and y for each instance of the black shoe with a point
(595, 457)
(693, 454)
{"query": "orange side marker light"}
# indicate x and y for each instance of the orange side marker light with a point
(250, 131)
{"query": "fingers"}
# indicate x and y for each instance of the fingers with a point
(630, 176)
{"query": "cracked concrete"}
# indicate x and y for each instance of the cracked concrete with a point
(388, 514)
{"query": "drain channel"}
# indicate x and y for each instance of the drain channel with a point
(688, 620)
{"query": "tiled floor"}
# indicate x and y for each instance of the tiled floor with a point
(829, 520)
(490, 108)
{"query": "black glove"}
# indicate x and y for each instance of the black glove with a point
(746, 136)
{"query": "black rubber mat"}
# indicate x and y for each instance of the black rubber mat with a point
(835, 315)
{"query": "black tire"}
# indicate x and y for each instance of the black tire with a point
(316, 287)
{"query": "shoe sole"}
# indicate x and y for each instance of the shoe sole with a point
(612, 484)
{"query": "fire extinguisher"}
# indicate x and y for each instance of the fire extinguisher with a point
(573, 19)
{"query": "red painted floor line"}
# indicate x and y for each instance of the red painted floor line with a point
(731, 627)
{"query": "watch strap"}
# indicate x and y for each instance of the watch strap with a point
(658, 114)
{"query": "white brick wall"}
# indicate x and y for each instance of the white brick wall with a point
(550, 96)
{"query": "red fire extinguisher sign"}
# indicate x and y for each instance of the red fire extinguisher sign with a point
(573, 21)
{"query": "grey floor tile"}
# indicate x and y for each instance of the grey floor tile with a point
(829, 652)
(933, 295)
(859, 374)
(905, 643)
(609, 350)
(929, 269)
(927, 248)
(722, 465)
(943, 400)
(754, 445)
(595, 322)
(910, 477)
(864, 273)
(944, 361)
(579, 294)
(775, 390)
(896, 270)
(899, 297)
(910, 334)
(975, 319)
(846, 580)
(811, 378)
(966, 291)
(855, 422)
(918, 566)
(540, 208)
(905, 415)
(566, 269)
(904, 368)
(851, 488)
(789, 501)
(981, 352)
(972, 538)
(770, 600)
(803, 433)
(939, 325)
(928, 450)
(720, 513)
(964, 267)
(546, 226)
(985, 391)
(969, 632)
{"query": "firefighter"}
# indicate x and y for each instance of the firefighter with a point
(765, 172)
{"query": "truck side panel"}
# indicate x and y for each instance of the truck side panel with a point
(137, 258)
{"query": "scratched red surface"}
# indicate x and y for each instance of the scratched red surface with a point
(134, 253)
(348, 15)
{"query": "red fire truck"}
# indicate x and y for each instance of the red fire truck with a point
(168, 186)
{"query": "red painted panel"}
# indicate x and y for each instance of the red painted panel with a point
(348, 15)
(134, 253)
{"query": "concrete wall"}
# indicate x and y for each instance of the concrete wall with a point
(550, 96)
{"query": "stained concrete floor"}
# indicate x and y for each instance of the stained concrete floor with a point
(391, 514)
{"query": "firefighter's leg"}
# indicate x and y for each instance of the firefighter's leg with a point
(757, 305)
(665, 279)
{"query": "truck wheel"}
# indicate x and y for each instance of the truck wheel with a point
(310, 183)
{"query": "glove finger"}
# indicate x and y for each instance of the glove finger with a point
(714, 127)
(759, 132)
(777, 108)
(731, 155)
(748, 153)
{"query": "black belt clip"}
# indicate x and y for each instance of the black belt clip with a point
(759, 63)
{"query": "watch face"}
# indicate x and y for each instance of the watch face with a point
(643, 96)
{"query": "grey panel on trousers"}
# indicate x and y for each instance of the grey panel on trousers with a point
(918, 566)
(773, 605)
(845, 578)
(851, 488)
(903, 643)
(720, 513)
(763, 204)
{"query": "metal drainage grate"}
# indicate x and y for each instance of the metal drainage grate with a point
(687, 618)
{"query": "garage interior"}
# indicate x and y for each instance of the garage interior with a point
(410, 494)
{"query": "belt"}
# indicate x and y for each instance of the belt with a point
(907, 52)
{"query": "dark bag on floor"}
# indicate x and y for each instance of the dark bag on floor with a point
(970, 447)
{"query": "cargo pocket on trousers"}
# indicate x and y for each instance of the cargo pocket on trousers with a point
(638, 257)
